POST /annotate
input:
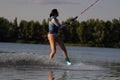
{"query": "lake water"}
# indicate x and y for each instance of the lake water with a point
(30, 62)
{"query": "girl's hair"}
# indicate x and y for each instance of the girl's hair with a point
(53, 12)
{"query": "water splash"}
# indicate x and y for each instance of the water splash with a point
(25, 59)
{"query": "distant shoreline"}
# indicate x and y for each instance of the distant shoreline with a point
(67, 44)
(93, 32)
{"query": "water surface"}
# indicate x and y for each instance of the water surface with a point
(30, 62)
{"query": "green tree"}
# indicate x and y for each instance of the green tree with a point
(37, 32)
(44, 31)
(4, 28)
(93, 31)
(13, 30)
(115, 32)
(108, 31)
(23, 30)
(82, 32)
(30, 30)
(70, 31)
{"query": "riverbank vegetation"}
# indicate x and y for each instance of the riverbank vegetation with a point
(92, 32)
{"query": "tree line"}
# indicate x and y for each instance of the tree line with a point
(92, 32)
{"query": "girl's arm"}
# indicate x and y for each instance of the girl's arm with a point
(56, 22)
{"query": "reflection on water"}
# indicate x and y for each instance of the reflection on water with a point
(52, 77)
(37, 73)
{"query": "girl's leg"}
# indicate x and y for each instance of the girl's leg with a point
(64, 51)
(61, 44)
(52, 45)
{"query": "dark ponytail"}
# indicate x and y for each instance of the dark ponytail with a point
(53, 12)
